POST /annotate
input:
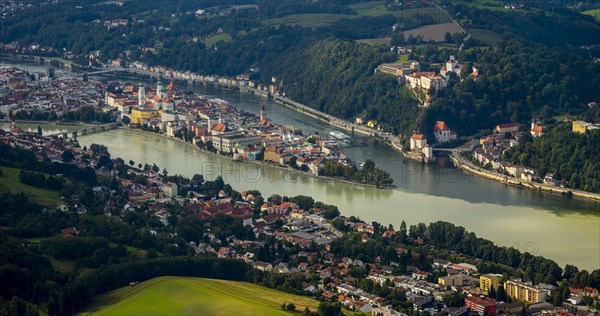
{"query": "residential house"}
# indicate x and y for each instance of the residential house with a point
(506, 128)
(442, 132)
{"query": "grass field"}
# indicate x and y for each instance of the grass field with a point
(482, 4)
(373, 41)
(595, 13)
(195, 296)
(372, 8)
(312, 20)
(377, 8)
(488, 37)
(435, 32)
(9, 182)
(223, 37)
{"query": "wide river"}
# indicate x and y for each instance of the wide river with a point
(565, 230)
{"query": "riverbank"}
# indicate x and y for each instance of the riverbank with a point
(57, 123)
(264, 164)
(392, 140)
(508, 180)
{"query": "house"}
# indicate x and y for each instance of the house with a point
(418, 141)
(451, 66)
(360, 120)
(385, 311)
(442, 132)
(581, 127)
(263, 266)
(170, 189)
(483, 306)
(72, 231)
(451, 280)
(506, 128)
(537, 130)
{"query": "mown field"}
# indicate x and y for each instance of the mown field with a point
(312, 20)
(10, 183)
(377, 8)
(488, 37)
(595, 13)
(435, 32)
(195, 296)
(482, 4)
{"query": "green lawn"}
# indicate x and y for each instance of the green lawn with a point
(483, 4)
(223, 37)
(372, 8)
(595, 13)
(195, 296)
(9, 182)
(488, 37)
(312, 20)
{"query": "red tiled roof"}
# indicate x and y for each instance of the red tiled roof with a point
(537, 129)
(440, 126)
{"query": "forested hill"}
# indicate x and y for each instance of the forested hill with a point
(572, 157)
(338, 77)
(536, 66)
(520, 80)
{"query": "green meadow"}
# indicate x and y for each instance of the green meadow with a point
(10, 183)
(595, 13)
(223, 37)
(195, 296)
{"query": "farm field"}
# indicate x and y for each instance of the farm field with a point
(488, 37)
(595, 13)
(373, 41)
(195, 296)
(377, 8)
(435, 32)
(482, 4)
(312, 20)
(10, 183)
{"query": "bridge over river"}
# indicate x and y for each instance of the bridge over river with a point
(87, 130)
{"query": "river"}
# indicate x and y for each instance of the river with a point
(563, 229)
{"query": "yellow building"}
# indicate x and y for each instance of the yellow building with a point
(524, 292)
(141, 115)
(487, 281)
(451, 280)
(372, 124)
(581, 126)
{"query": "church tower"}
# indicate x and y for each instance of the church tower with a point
(263, 113)
(141, 95)
(161, 90)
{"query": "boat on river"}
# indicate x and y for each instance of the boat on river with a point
(341, 136)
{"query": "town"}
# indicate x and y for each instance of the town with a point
(304, 239)
(209, 124)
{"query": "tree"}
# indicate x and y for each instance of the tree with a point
(454, 299)
(155, 168)
(501, 293)
(448, 37)
(67, 155)
(131, 163)
(492, 292)
(126, 120)
(39, 130)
